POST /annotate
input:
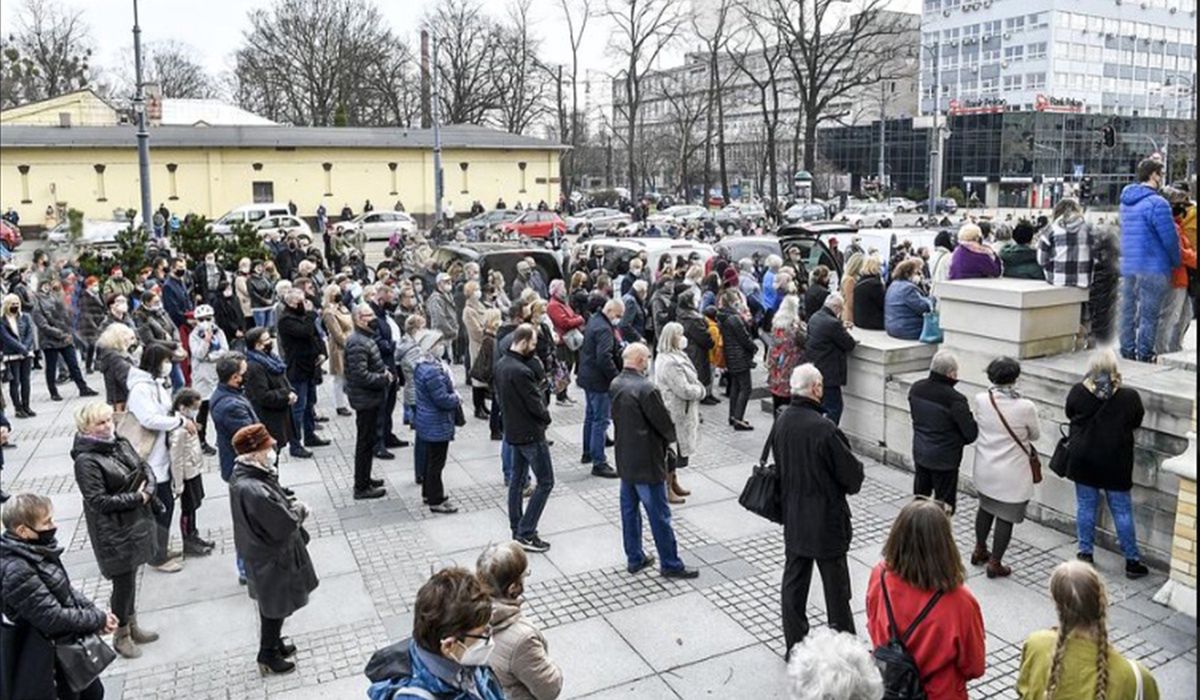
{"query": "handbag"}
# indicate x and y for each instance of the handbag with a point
(141, 439)
(1035, 462)
(460, 418)
(931, 327)
(1058, 460)
(762, 494)
(82, 661)
(573, 339)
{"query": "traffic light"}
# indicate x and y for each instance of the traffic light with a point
(1085, 189)
(1108, 135)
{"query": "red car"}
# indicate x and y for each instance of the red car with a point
(537, 224)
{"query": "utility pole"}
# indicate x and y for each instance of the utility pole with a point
(143, 136)
(935, 160)
(425, 118)
(437, 137)
(882, 136)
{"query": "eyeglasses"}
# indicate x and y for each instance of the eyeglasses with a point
(485, 637)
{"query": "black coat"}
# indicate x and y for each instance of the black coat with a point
(1101, 432)
(695, 329)
(868, 303)
(829, 346)
(817, 471)
(42, 606)
(268, 393)
(599, 356)
(115, 368)
(366, 381)
(120, 525)
(300, 343)
(642, 427)
(942, 423)
(522, 403)
(268, 535)
(738, 343)
(814, 299)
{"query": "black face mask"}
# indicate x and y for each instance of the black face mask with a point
(46, 538)
(180, 273)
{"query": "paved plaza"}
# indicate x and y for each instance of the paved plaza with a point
(614, 634)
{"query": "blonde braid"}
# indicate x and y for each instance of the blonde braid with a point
(1102, 656)
(1060, 651)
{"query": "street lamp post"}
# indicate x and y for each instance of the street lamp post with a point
(935, 160)
(143, 136)
(437, 136)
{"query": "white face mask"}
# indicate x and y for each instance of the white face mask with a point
(683, 343)
(164, 369)
(477, 294)
(479, 654)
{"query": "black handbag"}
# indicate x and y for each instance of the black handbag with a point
(460, 418)
(1058, 460)
(82, 661)
(762, 494)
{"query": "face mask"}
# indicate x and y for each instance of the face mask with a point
(479, 654)
(47, 538)
(190, 413)
(164, 369)
(477, 294)
(918, 279)
(107, 435)
(211, 261)
(267, 348)
(683, 343)
(180, 273)
(614, 321)
(227, 293)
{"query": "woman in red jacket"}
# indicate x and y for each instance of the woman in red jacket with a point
(565, 320)
(920, 561)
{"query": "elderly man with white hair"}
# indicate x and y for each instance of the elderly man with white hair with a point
(942, 426)
(303, 352)
(599, 365)
(817, 471)
(830, 664)
(829, 346)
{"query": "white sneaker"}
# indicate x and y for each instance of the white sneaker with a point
(170, 566)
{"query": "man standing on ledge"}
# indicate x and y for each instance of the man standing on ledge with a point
(643, 431)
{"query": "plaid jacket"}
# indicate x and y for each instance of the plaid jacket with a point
(1065, 253)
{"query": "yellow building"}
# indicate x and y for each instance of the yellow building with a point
(211, 169)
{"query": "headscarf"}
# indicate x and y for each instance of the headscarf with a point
(1103, 384)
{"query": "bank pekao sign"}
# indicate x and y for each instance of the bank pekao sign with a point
(978, 105)
(1042, 103)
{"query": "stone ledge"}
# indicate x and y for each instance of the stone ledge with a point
(1007, 292)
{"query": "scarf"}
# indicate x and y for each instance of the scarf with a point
(1102, 384)
(1010, 391)
(273, 364)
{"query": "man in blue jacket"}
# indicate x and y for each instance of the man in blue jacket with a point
(231, 411)
(599, 365)
(1149, 252)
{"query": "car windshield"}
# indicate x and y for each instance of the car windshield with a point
(230, 218)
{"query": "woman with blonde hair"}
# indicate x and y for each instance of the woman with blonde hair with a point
(1076, 661)
(472, 320)
(676, 378)
(850, 275)
(114, 357)
(499, 296)
(338, 327)
(972, 259)
(17, 341)
(788, 335)
(869, 294)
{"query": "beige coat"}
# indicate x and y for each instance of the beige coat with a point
(681, 390)
(520, 658)
(338, 326)
(472, 318)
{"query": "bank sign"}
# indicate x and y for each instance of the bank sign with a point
(1042, 103)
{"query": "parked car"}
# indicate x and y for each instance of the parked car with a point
(812, 238)
(247, 214)
(738, 213)
(378, 225)
(500, 256)
(945, 205)
(479, 226)
(805, 211)
(536, 224)
(684, 214)
(96, 232)
(601, 218)
(283, 225)
(618, 250)
(868, 215)
(902, 204)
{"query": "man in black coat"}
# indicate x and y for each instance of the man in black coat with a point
(367, 379)
(644, 430)
(829, 346)
(525, 418)
(942, 427)
(302, 346)
(387, 334)
(599, 364)
(817, 471)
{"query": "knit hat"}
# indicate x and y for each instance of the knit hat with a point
(252, 438)
(428, 339)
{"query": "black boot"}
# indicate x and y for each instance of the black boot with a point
(272, 662)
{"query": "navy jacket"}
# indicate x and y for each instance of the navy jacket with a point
(436, 403)
(19, 343)
(231, 411)
(599, 356)
(384, 339)
(176, 300)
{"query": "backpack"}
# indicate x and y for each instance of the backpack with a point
(901, 676)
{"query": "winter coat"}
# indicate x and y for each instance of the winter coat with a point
(814, 299)
(268, 535)
(207, 346)
(404, 664)
(39, 606)
(904, 310)
(662, 307)
(366, 378)
(300, 343)
(681, 391)
(120, 524)
(868, 303)
(1103, 290)
(700, 343)
(716, 356)
(1149, 242)
(53, 324)
(115, 367)
(564, 318)
(384, 338)
(1187, 256)
(262, 292)
(642, 427)
(241, 289)
(176, 300)
(1101, 437)
(520, 658)
(187, 458)
(437, 402)
(227, 313)
(338, 327)
(1020, 262)
(817, 471)
(518, 388)
(968, 262)
(408, 354)
(472, 317)
(268, 393)
(829, 345)
(92, 312)
(18, 344)
(442, 315)
(599, 356)
(942, 423)
(1002, 470)
(738, 343)
(155, 327)
(150, 403)
(787, 353)
(633, 322)
(231, 411)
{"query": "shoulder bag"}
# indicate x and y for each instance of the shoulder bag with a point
(141, 439)
(83, 660)
(1035, 462)
(931, 327)
(1062, 453)
(762, 494)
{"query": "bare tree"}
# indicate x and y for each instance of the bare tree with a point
(523, 85)
(687, 107)
(833, 55)
(394, 89)
(644, 28)
(576, 13)
(171, 66)
(48, 54)
(759, 53)
(466, 61)
(712, 28)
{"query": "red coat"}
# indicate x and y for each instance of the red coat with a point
(948, 646)
(563, 317)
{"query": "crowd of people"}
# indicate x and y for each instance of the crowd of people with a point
(647, 342)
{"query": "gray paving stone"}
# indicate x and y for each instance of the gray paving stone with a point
(753, 672)
(678, 631)
(592, 656)
(650, 688)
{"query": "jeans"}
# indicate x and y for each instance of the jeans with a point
(739, 394)
(506, 461)
(164, 493)
(264, 318)
(832, 402)
(1140, 303)
(534, 456)
(365, 420)
(1120, 504)
(797, 579)
(597, 413)
(304, 411)
(69, 359)
(1175, 307)
(419, 459)
(654, 498)
(176, 377)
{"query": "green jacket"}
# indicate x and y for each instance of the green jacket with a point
(1078, 679)
(1020, 261)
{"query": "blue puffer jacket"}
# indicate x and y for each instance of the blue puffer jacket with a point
(436, 403)
(1149, 242)
(231, 411)
(904, 308)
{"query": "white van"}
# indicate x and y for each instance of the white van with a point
(247, 214)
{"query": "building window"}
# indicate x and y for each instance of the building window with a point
(328, 168)
(1035, 81)
(24, 170)
(1012, 82)
(263, 191)
(392, 167)
(1014, 24)
(522, 165)
(463, 167)
(171, 168)
(1037, 50)
(99, 168)
(1014, 53)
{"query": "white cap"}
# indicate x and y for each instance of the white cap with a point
(203, 311)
